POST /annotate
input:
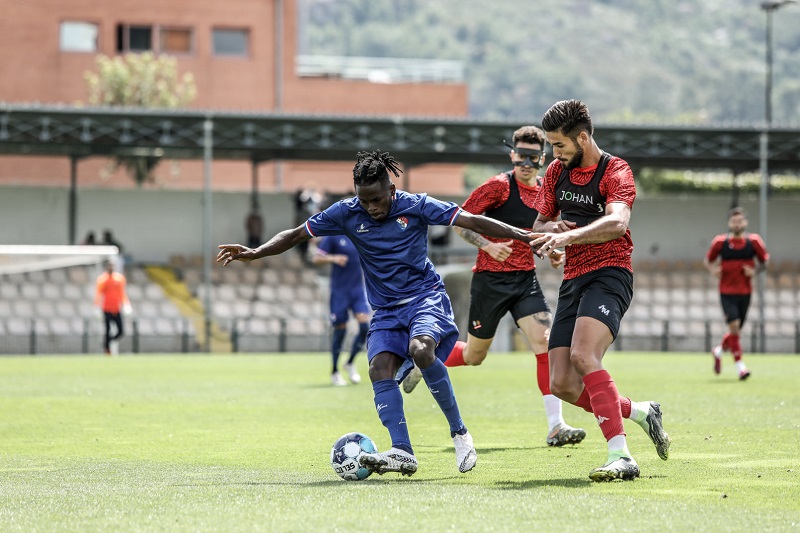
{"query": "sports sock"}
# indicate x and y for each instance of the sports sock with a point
(438, 381)
(584, 402)
(552, 408)
(543, 373)
(336, 346)
(736, 347)
(618, 447)
(740, 366)
(456, 357)
(636, 411)
(726, 342)
(639, 411)
(389, 404)
(625, 406)
(358, 342)
(605, 402)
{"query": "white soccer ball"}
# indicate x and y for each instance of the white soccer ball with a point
(346, 452)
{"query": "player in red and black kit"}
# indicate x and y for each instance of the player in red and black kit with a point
(593, 192)
(504, 278)
(731, 258)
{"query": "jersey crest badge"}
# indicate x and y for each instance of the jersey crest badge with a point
(402, 222)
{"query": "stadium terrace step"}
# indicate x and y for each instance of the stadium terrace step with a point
(189, 306)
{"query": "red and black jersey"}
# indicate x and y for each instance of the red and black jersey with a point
(504, 198)
(734, 254)
(578, 194)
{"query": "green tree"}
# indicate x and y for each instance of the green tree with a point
(139, 80)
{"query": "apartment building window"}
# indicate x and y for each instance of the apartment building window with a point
(163, 39)
(77, 36)
(175, 40)
(231, 42)
(134, 38)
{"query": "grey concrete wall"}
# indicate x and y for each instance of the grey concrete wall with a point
(152, 225)
(682, 227)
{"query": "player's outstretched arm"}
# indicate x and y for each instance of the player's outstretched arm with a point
(499, 251)
(277, 245)
(612, 225)
(544, 224)
(491, 227)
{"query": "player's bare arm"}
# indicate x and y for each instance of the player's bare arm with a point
(499, 251)
(544, 224)
(611, 226)
(281, 242)
(491, 227)
(714, 268)
(322, 258)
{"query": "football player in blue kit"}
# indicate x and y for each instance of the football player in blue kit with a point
(348, 294)
(413, 320)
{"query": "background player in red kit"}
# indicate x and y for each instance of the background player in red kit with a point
(504, 279)
(731, 258)
(593, 192)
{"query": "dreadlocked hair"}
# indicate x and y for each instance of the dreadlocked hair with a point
(372, 167)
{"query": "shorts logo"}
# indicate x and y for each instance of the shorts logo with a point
(361, 229)
(603, 310)
(403, 222)
(476, 324)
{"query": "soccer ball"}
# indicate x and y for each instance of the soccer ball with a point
(345, 454)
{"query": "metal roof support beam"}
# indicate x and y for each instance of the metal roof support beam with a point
(72, 214)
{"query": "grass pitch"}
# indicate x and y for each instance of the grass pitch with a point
(241, 443)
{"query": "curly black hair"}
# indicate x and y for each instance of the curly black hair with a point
(372, 167)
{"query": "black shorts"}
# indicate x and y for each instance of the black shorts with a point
(735, 306)
(493, 294)
(604, 294)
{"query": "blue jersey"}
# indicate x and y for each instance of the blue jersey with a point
(343, 278)
(393, 252)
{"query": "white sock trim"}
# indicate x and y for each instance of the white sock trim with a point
(552, 408)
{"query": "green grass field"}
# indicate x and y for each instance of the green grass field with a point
(242, 443)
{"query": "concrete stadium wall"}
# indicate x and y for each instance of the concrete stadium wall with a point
(152, 225)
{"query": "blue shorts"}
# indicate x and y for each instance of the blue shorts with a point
(353, 299)
(392, 329)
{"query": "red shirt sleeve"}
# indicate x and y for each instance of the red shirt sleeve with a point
(617, 184)
(716, 248)
(759, 247)
(492, 193)
(546, 199)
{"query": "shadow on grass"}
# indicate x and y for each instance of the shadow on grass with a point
(500, 449)
(573, 483)
(326, 483)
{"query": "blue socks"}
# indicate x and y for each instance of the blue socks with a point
(359, 341)
(336, 345)
(389, 404)
(438, 381)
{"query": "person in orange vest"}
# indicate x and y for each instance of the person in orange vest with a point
(111, 300)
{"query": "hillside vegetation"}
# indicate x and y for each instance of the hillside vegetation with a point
(643, 61)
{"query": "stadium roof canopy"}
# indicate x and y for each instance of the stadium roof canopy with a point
(84, 132)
